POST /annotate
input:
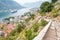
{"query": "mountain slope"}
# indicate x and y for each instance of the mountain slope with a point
(34, 4)
(9, 4)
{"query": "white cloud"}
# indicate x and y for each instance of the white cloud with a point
(43, 0)
(25, 1)
(28, 1)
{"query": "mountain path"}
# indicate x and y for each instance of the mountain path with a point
(53, 32)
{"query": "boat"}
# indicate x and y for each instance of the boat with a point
(13, 11)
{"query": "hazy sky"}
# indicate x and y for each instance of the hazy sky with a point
(27, 1)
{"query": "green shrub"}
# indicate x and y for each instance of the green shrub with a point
(3, 27)
(13, 32)
(9, 38)
(28, 34)
(32, 16)
(42, 13)
(27, 20)
(54, 10)
(2, 38)
(20, 26)
(35, 27)
(43, 22)
(34, 35)
(54, 14)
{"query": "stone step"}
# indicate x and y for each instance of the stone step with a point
(53, 32)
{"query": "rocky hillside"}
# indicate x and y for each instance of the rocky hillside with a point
(9, 4)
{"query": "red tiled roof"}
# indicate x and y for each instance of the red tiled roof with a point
(9, 27)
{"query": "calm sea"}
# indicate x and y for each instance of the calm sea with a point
(8, 14)
(4, 15)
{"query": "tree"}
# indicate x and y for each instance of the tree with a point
(46, 7)
(53, 1)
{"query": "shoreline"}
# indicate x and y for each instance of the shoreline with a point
(18, 13)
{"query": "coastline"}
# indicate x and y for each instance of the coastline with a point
(21, 12)
(18, 13)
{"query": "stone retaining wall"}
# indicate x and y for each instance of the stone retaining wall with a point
(43, 32)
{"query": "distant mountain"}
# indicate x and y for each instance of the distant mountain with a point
(9, 4)
(34, 4)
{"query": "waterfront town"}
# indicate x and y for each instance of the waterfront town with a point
(10, 23)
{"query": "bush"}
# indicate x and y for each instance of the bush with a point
(9, 38)
(54, 15)
(28, 34)
(42, 13)
(13, 32)
(27, 20)
(35, 27)
(2, 38)
(32, 16)
(46, 7)
(19, 28)
(54, 10)
(3, 27)
(43, 22)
